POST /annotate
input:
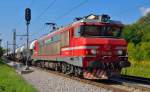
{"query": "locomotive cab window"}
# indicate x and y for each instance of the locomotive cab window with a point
(97, 31)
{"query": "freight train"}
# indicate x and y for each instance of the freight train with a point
(90, 47)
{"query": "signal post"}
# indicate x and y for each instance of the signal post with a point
(27, 18)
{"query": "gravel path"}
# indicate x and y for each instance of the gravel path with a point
(47, 82)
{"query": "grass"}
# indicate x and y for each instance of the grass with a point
(140, 69)
(10, 81)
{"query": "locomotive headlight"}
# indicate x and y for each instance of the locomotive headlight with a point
(93, 51)
(120, 52)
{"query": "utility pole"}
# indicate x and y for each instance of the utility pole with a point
(14, 45)
(14, 42)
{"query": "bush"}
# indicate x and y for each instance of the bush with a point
(1, 51)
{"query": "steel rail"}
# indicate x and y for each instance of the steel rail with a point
(136, 79)
(133, 83)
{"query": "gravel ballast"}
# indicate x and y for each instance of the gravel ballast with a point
(46, 81)
(49, 82)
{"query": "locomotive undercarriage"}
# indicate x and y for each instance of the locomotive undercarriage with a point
(88, 73)
(59, 66)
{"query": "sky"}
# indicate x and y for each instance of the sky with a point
(62, 12)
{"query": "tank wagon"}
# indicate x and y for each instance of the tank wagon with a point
(21, 53)
(91, 47)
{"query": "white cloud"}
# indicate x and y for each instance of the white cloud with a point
(144, 10)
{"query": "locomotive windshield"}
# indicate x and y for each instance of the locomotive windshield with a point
(99, 31)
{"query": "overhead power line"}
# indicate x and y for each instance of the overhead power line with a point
(65, 14)
(71, 10)
(42, 13)
(22, 17)
(45, 10)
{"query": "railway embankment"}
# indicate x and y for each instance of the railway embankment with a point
(45, 81)
(10, 81)
(51, 81)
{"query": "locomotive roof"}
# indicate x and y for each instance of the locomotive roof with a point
(98, 21)
(86, 19)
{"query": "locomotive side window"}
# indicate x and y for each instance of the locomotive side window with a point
(53, 45)
(56, 45)
(65, 39)
(56, 38)
(77, 31)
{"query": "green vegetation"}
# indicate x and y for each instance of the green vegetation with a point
(10, 81)
(141, 69)
(1, 51)
(138, 37)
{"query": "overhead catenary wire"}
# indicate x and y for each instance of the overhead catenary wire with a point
(42, 13)
(30, 5)
(71, 10)
(45, 10)
(67, 12)
(22, 17)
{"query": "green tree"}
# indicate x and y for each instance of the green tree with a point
(138, 37)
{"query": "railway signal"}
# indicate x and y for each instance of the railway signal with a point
(28, 15)
(28, 19)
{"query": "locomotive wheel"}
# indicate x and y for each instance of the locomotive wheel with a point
(59, 67)
(72, 69)
(64, 68)
(79, 72)
(75, 71)
(42, 64)
(56, 67)
(69, 69)
(38, 64)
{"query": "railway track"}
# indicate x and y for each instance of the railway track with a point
(122, 84)
(142, 84)
(136, 79)
(103, 85)
(115, 85)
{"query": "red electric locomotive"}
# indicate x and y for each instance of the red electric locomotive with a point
(91, 47)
